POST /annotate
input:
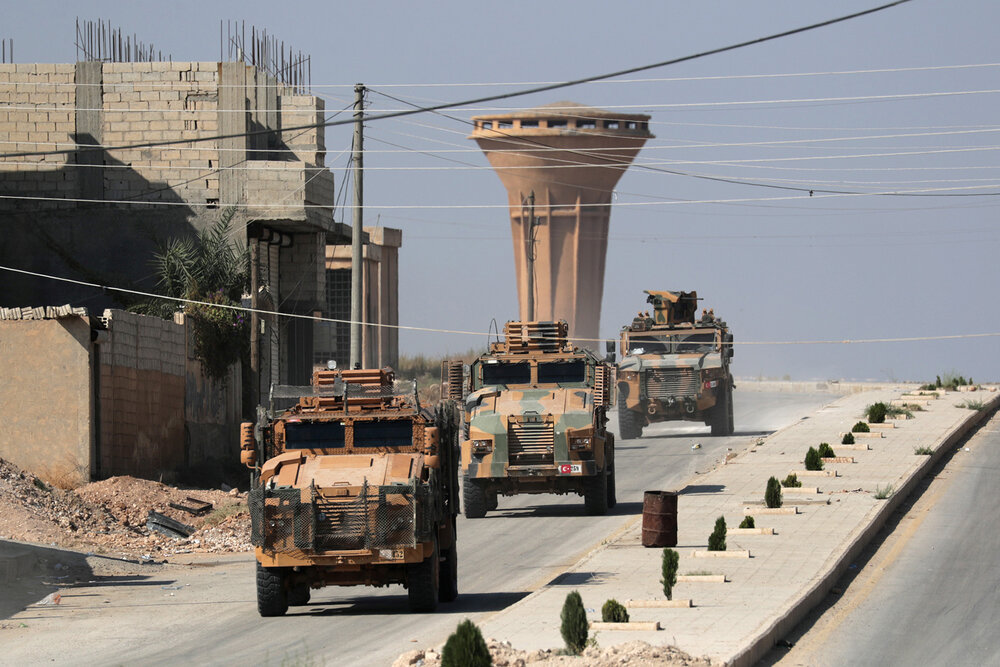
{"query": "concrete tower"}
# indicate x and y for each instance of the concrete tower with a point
(570, 156)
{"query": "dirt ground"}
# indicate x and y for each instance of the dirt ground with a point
(109, 517)
(636, 653)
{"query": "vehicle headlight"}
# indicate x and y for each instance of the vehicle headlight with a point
(482, 446)
(582, 442)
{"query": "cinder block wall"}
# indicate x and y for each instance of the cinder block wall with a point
(46, 397)
(142, 380)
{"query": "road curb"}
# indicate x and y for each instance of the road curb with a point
(761, 644)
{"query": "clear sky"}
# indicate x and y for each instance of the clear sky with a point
(778, 264)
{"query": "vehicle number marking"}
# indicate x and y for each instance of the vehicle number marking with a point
(570, 468)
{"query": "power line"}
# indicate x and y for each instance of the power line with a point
(512, 94)
(468, 333)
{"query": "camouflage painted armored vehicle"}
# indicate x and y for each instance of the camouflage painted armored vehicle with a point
(675, 367)
(535, 421)
(358, 485)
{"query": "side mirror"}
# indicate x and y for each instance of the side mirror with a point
(609, 348)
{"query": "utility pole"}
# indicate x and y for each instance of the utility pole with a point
(358, 171)
(254, 240)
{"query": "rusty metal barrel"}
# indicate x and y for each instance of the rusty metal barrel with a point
(659, 519)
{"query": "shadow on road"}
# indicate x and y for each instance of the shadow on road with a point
(397, 605)
(697, 489)
(28, 573)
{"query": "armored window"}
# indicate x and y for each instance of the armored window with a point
(395, 433)
(505, 124)
(558, 123)
(529, 123)
(648, 345)
(314, 435)
(487, 125)
(562, 371)
(611, 125)
(699, 342)
(507, 373)
(631, 125)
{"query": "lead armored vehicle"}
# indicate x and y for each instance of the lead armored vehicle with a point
(675, 367)
(535, 421)
(354, 484)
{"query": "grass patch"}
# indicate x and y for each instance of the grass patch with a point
(973, 405)
(923, 451)
(700, 573)
(883, 492)
(223, 512)
(897, 411)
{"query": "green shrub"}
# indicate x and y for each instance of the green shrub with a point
(923, 451)
(883, 492)
(466, 648)
(747, 522)
(848, 439)
(772, 495)
(717, 540)
(860, 427)
(813, 460)
(792, 481)
(972, 405)
(876, 413)
(669, 572)
(613, 612)
(574, 623)
(825, 450)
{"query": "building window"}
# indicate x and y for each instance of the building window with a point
(338, 303)
(559, 123)
(529, 123)
(611, 125)
(586, 124)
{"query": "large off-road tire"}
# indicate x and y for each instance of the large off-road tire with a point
(610, 464)
(423, 583)
(474, 498)
(722, 413)
(272, 596)
(629, 424)
(448, 590)
(595, 493)
(299, 596)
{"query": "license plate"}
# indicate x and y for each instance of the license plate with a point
(570, 468)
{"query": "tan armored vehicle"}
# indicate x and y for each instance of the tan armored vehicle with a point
(535, 421)
(675, 367)
(358, 485)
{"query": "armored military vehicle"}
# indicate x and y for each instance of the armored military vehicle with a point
(535, 421)
(358, 485)
(675, 367)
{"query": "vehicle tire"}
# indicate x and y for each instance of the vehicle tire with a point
(423, 583)
(299, 596)
(722, 414)
(595, 493)
(474, 498)
(272, 596)
(448, 590)
(610, 458)
(629, 424)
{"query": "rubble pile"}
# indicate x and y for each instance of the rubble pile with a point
(634, 653)
(110, 516)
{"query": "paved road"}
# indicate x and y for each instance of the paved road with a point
(928, 596)
(502, 558)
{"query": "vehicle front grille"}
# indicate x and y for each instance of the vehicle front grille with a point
(530, 443)
(670, 382)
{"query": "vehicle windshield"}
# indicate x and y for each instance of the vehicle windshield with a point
(394, 433)
(698, 343)
(503, 372)
(314, 435)
(660, 345)
(574, 370)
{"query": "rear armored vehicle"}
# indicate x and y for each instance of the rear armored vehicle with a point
(535, 421)
(675, 367)
(353, 484)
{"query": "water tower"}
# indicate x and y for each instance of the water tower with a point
(560, 164)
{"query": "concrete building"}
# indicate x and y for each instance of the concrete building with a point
(99, 215)
(380, 302)
(570, 156)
